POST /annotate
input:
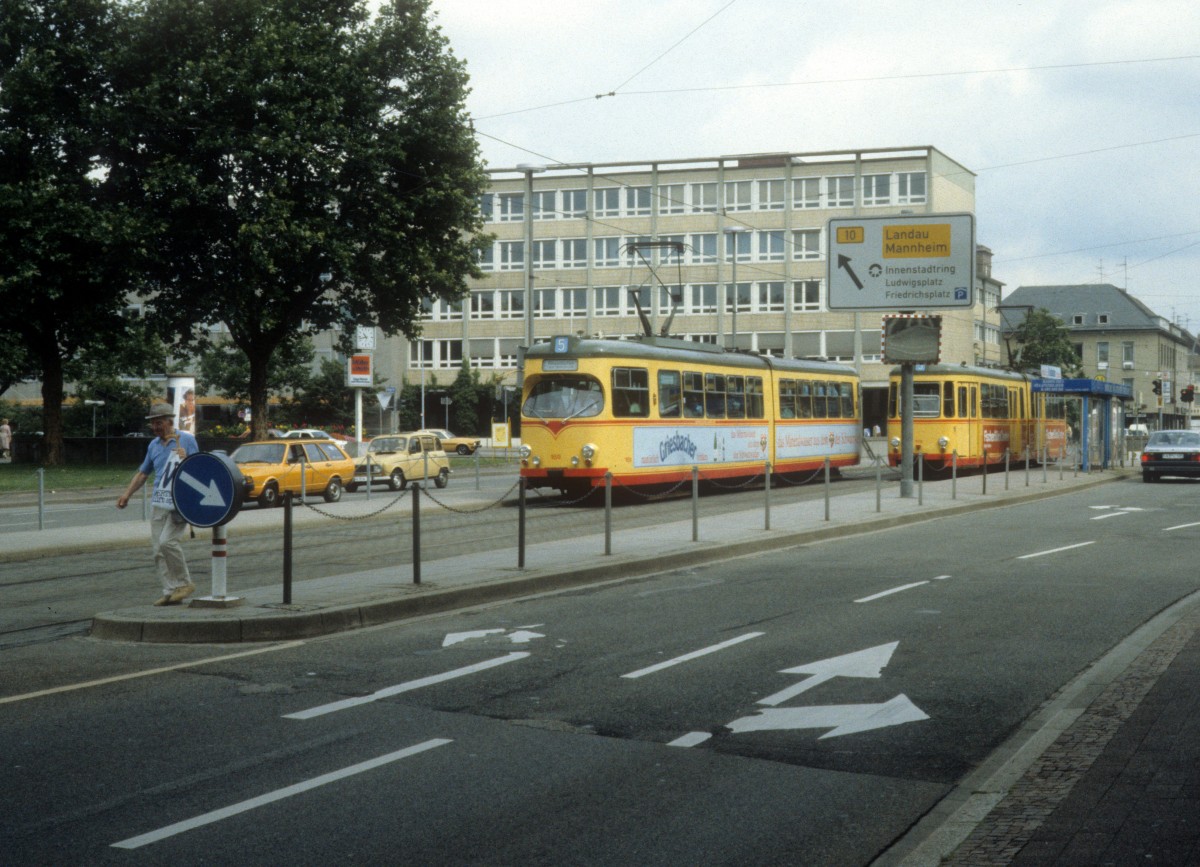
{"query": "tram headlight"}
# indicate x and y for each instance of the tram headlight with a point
(895, 442)
(943, 442)
(526, 452)
(589, 452)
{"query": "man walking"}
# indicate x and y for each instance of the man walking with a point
(163, 456)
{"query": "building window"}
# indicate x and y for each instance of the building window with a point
(910, 188)
(770, 195)
(544, 205)
(877, 190)
(839, 345)
(487, 258)
(544, 255)
(608, 202)
(806, 193)
(770, 246)
(807, 296)
(738, 195)
(511, 303)
(738, 244)
(770, 297)
(544, 303)
(738, 297)
(872, 346)
(702, 249)
(704, 198)
(701, 298)
(608, 300)
(574, 204)
(806, 244)
(1101, 318)
(608, 252)
(670, 255)
(634, 253)
(1077, 319)
(487, 203)
(483, 305)
(574, 253)
(671, 198)
(1127, 354)
(637, 201)
(839, 192)
(1102, 354)
(512, 255)
(510, 207)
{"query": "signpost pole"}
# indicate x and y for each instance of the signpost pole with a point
(906, 431)
(219, 552)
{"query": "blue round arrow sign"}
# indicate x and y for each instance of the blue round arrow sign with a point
(208, 489)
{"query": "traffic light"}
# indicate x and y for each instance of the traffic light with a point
(1158, 386)
(1188, 394)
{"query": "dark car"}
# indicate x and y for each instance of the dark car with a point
(1171, 453)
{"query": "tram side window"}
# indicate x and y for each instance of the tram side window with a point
(804, 400)
(947, 399)
(754, 397)
(995, 401)
(714, 395)
(693, 395)
(847, 399)
(787, 398)
(820, 407)
(962, 402)
(631, 392)
(735, 391)
(892, 390)
(926, 399)
(669, 394)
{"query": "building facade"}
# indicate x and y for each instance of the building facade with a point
(1119, 339)
(728, 250)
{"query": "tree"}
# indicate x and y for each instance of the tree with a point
(305, 167)
(1042, 339)
(324, 400)
(67, 242)
(225, 370)
(464, 394)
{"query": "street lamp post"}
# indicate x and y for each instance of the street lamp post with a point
(93, 404)
(732, 232)
(530, 170)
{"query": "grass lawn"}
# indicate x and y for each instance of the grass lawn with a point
(23, 477)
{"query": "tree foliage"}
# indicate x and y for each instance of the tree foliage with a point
(68, 242)
(225, 370)
(1043, 339)
(303, 167)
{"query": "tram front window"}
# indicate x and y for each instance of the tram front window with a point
(926, 400)
(564, 397)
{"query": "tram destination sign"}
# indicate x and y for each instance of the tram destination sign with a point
(901, 263)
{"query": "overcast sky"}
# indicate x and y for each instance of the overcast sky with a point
(1081, 119)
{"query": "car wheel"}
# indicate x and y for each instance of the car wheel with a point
(396, 480)
(333, 491)
(464, 449)
(269, 496)
(443, 478)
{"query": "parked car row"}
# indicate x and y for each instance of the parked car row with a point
(272, 468)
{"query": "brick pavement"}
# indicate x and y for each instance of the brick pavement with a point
(1122, 784)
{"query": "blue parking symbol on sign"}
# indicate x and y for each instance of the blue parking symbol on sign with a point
(960, 294)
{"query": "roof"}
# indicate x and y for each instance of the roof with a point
(1104, 307)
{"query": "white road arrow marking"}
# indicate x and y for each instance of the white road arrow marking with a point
(862, 663)
(210, 493)
(843, 719)
(521, 636)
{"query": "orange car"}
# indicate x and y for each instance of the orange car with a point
(274, 467)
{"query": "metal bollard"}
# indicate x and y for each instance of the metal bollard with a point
(826, 489)
(920, 478)
(41, 474)
(608, 512)
(1027, 467)
(954, 475)
(984, 469)
(369, 480)
(767, 486)
(287, 548)
(695, 503)
(416, 522)
(477, 469)
(521, 523)
(1045, 463)
(878, 484)
(1007, 456)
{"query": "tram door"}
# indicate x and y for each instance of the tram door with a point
(970, 424)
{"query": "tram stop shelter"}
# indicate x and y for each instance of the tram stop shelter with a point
(1101, 415)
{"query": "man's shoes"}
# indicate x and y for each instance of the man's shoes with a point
(180, 593)
(165, 600)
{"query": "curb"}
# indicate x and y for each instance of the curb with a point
(275, 622)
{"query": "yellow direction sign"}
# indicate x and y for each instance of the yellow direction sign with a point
(901, 262)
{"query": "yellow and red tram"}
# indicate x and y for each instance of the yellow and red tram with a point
(979, 413)
(648, 409)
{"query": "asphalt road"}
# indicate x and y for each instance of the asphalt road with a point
(802, 706)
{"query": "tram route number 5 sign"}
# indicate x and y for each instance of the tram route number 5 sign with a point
(901, 263)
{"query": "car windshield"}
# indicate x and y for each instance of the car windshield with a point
(259, 453)
(1175, 438)
(564, 397)
(387, 444)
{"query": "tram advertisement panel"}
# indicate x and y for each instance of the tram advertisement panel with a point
(815, 441)
(680, 447)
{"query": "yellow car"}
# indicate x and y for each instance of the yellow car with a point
(397, 459)
(272, 468)
(452, 443)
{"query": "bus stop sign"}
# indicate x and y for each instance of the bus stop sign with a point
(208, 489)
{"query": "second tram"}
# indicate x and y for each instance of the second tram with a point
(648, 409)
(979, 413)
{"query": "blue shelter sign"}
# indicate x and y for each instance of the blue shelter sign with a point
(208, 489)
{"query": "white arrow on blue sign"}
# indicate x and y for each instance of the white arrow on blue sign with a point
(208, 489)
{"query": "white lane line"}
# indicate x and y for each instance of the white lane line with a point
(1109, 515)
(899, 589)
(693, 655)
(691, 739)
(1056, 550)
(389, 691)
(1181, 526)
(117, 678)
(277, 795)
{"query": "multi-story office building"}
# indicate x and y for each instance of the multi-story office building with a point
(728, 250)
